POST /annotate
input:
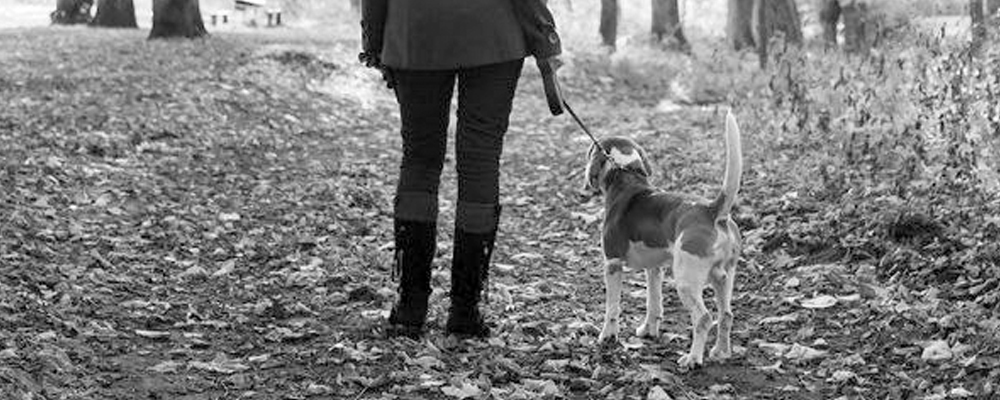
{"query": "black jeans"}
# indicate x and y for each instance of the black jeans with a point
(485, 95)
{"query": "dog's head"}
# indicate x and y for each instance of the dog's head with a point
(627, 155)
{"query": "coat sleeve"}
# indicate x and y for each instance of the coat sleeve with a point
(373, 14)
(539, 28)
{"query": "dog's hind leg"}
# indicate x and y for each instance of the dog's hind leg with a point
(654, 303)
(613, 302)
(722, 283)
(691, 273)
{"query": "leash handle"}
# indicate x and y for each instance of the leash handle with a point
(551, 85)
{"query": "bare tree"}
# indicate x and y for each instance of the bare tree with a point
(115, 14)
(666, 22)
(765, 19)
(71, 12)
(981, 12)
(861, 27)
(610, 12)
(829, 15)
(739, 30)
(177, 18)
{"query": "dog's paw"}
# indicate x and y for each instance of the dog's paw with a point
(689, 361)
(648, 331)
(720, 353)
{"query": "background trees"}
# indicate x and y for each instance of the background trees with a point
(981, 12)
(72, 12)
(752, 23)
(665, 23)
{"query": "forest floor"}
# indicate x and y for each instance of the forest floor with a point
(210, 219)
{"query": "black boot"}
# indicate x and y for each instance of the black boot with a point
(415, 246)
(469, 269)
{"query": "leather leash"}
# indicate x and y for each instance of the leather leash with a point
(553, 94)
(583, 126)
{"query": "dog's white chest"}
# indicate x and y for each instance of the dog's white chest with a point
(641, 256)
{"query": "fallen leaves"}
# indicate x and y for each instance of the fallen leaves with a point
(198, 211)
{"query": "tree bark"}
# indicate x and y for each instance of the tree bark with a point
(739, 29)
(71, 12)
(770, 17)
(667, 22)
(780, 16)
(610, 10)
(177, 18)
(115, 14)
(977, 13)
(829, 14)
(761, 31)
(860, 29)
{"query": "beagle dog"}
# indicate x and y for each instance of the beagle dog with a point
(646, 228)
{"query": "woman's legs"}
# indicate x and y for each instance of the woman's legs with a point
(485, 97)
(424, 102)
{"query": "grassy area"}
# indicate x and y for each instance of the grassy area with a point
(210, 219)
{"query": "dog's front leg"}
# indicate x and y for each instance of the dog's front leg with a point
(613, 302)
(654, 303)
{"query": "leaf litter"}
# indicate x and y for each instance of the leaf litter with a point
(218, 211)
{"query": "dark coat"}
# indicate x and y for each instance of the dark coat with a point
(451, 34)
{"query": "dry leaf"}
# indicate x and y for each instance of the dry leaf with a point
(426, 362)
(818, 302)
(792, 317)
(936, 350)
(166, 367)
(219, 364)
(804, 353)
(226, 267)
(466, 391)
(657, 393)
(152, 334)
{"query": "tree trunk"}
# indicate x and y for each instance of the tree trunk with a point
(860, 29)
(738, 24)
(770, 17)
(71, 12)
(977, 13)
(829, 14)
(780, 16)
(761, 31)
(667, 23)
(177, 18)
(115, 14)
(610, 10)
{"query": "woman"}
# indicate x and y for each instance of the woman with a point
(424, 47)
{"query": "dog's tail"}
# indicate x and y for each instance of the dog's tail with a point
(734, 169)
